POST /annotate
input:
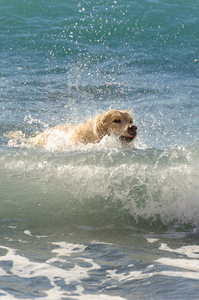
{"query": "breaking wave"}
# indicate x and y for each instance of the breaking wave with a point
(105, 181)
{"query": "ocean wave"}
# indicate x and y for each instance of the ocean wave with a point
(103, 182)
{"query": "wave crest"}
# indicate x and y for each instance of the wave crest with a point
(147, 184)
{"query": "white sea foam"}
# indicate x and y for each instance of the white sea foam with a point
(191, 251)
(52, 270)
(190, 264)
(27, 232)
(152, 240)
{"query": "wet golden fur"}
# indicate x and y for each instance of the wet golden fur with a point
(111, 122)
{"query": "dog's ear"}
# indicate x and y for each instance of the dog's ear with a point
(100, 125)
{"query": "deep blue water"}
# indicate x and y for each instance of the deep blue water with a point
(99, 221)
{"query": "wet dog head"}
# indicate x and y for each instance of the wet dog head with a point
(116, 122)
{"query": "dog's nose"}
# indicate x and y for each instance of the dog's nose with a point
(132, 129)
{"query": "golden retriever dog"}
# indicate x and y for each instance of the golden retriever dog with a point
(116, 122)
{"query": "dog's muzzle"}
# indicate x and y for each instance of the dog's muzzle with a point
(131, 134)
(132, 129)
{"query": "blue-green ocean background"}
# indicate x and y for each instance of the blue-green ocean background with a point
(99, 221)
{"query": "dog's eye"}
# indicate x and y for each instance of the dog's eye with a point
(131, 122)
(117, 121)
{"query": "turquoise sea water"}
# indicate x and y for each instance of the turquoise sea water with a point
(99, 221)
